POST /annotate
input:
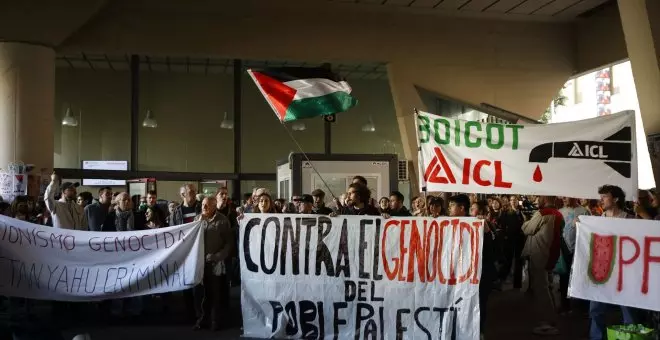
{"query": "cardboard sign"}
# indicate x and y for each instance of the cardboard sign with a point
(617, 261)
(46, 263)
(568, 159)
(316, 277)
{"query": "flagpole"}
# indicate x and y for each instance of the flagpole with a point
(307, 159)
(326, 65)
(420, 156)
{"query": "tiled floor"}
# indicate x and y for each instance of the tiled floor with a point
(509, 314)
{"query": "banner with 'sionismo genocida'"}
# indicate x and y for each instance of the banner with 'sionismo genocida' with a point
(316, 277)
(47, 263)
(568, 159)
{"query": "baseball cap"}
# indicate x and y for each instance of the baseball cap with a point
(318, 192)
(305, 198)
(69, 185)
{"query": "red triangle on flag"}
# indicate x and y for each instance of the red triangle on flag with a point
(277, 93)
(438, 163)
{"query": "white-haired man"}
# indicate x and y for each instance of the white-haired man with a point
(186, 212)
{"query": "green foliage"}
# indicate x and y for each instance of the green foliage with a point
(558, 100)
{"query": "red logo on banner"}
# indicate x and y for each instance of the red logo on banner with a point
(472, 172)
(437, 164)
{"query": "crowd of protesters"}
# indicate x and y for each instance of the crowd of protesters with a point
(531, 237)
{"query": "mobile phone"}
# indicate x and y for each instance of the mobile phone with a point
(520, 203)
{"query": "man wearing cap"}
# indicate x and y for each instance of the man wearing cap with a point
(319, 204)
(65, 212)
(305, 204)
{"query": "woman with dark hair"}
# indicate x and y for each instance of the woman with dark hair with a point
(384, 205)
(153, 218)
(436, 207)
(279, 204)
(265, 205)
(19, 208)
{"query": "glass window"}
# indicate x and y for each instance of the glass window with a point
(264, 140)
(586, 88)
(169, 190)
(568, 91)
(100, 101)
(248, 186)
(189, 109)
(376, 109)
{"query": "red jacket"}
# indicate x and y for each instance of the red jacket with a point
(555, 247)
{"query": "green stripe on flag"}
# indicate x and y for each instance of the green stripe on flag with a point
(328, 104)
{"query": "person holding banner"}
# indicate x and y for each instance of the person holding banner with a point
(186, 212)
(543, 231)
(396, 205)
(613, 201)
(218, 245)
(571, 211)
(479, 209)
(319, 203)
(357, 202)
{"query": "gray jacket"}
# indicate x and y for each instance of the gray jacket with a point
(66, 214)
(125, 220)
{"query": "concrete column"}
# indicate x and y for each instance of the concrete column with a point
(406, 99)
(27, 97)
(637, 20)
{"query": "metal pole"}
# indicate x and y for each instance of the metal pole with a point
(327, 134)
(238, 92)
(135, 110)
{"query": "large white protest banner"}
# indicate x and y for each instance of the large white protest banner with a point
(316, 277)
(568, 159)
(58, 264)
(617, 261)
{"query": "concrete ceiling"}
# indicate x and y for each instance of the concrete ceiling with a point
(546, 10)
(50, 22)
(206, 66)
(45, 22)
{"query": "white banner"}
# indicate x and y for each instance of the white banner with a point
(617, 261)
(40, 262)
(568, 159)
(309, 277)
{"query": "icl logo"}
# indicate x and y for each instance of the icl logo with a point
(615, 150)
(472, 171)
(591, 151)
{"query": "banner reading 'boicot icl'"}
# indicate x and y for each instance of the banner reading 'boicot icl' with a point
(567, 159)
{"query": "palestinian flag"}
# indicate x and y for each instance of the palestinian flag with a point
(298, 92)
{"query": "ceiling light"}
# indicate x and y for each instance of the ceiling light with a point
(227, 123)
(299, 126)
(369, 127)
(149, 121)
(69, 119)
